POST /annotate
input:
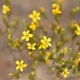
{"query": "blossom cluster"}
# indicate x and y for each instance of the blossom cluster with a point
(44, 44)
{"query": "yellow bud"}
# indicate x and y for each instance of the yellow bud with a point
(32, 73)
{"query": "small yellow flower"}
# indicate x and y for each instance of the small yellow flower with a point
(33, 26)
(31, 46)
(5, 9)
(65, 73)
(75, 27)
(45, 42)
(20, 65)
(77, 31)
(56, 9)
(35, 16)
(26, 35)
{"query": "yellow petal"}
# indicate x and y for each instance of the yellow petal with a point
(34, 12)
(33, 48)
(24, 65)
(34, 19)
(23, 37)
(21, 69)
(34, 44)
(24, 32)
(65, 75)
(17, 62)
(30, 35)
(28, 44)
(22, 61)
(27, 38)
(49, 39)
(4, 12)
(44, 37)
(17, 67)
(30, 16)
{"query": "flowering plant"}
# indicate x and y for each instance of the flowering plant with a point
(48, 44)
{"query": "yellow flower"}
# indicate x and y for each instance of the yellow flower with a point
(75, 27)
(35, 16)
(33, 26)
(5, 9)
(56, 9)
(45, 42)
(26, 35)
(65, 72)
(20, 65)
(77, 32)
(31, 46)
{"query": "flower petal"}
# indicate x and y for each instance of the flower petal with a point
(21, 69)
(17, 62)
(22, 61)
(17, 67)
(24, 65)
